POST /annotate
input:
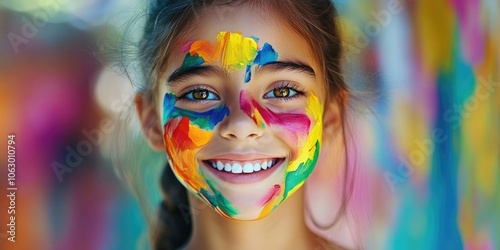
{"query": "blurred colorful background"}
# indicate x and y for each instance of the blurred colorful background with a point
(428, 174)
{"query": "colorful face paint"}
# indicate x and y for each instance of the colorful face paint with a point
(185, 132)
(232, 50)
(298, 128)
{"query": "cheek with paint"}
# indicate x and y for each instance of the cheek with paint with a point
(185, 132)
(304, 132)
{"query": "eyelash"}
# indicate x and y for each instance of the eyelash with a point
(299, 92)
(292, 86)
(184, 94)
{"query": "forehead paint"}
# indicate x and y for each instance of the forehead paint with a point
(234, 51)
(266, 55)
(184, 132)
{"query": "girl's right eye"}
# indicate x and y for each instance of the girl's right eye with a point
(199, 95)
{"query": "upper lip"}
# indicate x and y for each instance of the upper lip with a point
(242, 157)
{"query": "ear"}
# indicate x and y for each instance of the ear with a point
(332, 121)
(150, 122)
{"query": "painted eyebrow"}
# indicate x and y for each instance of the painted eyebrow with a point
(293, 65)
(203, 70)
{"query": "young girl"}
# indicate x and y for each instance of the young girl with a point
(245, 97)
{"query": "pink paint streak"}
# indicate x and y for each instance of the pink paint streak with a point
(471, 30)
(275, 191)
(185, 48)
(297, 123)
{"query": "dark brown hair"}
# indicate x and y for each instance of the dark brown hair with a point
(168, 20)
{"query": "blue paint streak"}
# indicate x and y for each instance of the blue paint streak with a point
(444, 173)
(248, 74)
(266, 55)
(443, 177)
(205, 120)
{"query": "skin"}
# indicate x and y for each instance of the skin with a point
(240, 132)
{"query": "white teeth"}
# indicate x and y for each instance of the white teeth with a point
(242, 167)
(256, 167)
(264, 165)
(227, 167)
(220, 166)
(236, 168)
(248, 168)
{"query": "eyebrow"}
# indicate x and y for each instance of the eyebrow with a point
(203, 70)
(209, 70)
(293, 65)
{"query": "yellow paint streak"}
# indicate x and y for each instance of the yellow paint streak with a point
(435, 22)
(479, 126)
(258, 117)
(233, 50)
(315, 112)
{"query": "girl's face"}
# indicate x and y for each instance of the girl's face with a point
(242, 106)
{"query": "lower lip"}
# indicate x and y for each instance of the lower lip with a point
(244, 178)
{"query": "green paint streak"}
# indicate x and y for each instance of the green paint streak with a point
(305, 169)
(191, 61)
(219, 200)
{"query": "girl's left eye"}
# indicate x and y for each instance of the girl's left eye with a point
(281, 92)
(200, 95)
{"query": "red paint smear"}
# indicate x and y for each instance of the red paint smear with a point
(180, 135)
(291, 122)
(271, 194)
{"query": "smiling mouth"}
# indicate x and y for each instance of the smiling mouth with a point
(244, 167)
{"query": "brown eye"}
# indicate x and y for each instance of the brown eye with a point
(281, 92)
(200, 94)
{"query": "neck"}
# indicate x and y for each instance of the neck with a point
(284, 228)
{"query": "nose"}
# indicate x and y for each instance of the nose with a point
(238, 125)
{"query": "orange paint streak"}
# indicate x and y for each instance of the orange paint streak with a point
(205, 50)
(181, 142)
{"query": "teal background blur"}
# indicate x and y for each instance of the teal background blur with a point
(429, 149)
